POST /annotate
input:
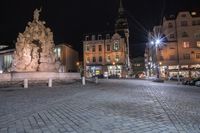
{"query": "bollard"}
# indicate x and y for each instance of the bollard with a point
(50, 82)
(83, 80)
(25, 83)
(96, 80)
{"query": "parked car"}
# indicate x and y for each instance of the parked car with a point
(193, 81)
(175, 77)
(197, 83)
(186, 81)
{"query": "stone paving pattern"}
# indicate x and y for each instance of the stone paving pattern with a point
(111, 106)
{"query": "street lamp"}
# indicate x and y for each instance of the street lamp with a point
(156, 42)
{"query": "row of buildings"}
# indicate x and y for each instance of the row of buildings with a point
(174, 47)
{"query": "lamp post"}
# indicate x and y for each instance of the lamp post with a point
(156, 43)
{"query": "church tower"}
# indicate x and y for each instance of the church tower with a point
(121, 27)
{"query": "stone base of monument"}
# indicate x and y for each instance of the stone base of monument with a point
(20, 76)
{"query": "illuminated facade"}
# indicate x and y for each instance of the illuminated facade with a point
(179, 49)
(67, 56)
(108, 54)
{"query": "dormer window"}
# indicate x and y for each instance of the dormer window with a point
(93, 37)
(183, 15)
(107, 36)
(99, 37)
(170, 25)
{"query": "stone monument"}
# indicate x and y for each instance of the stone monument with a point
(35, 48)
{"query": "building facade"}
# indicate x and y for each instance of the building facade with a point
(67, 56)
(138, 67)
(108, 54)
(177, 48)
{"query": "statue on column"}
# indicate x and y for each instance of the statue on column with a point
(36, 14)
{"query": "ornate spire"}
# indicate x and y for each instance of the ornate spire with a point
(121, 8)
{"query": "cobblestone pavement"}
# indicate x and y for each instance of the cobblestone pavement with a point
(112, 106)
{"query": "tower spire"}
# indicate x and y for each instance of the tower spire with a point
(121, 8)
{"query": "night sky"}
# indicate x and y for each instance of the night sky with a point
(71, 19)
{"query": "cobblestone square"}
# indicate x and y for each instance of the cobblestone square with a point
(111, 106)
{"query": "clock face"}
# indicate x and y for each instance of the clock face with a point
(116, 45)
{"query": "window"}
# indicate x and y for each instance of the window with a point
(7, 61)
(93, 37)
(117, 58)
(108, 58)
(172, 57)
(93, 59)
(99, 37)
(107, 36)
(87, 47)
(198, 55)
(108, 47)
(100, 48)
(170, 25)
(183, 15)
(86, 38)
(171, 36)
(197, 35)
(186, 44)
(57, 52)
(184, 34)
(93, 48)
(184, 23)
(100, 58)
(88, 60)
(186, 56)
(116, 45)
(198, 44)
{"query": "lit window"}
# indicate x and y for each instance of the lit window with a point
(88, 60)
(186, 56)
(87, 47)
(116, 45)
(7, 61)
(186, 44)
(198, 55)
(117, 58)
(108, 58)
(198, 44)
(57, 51)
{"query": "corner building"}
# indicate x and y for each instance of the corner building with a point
(108, 54)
